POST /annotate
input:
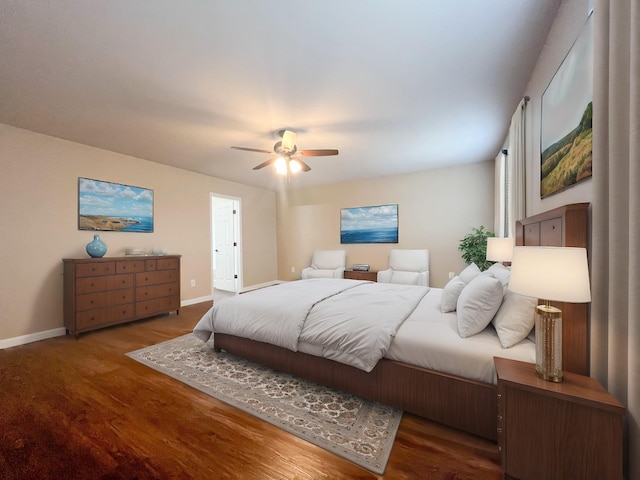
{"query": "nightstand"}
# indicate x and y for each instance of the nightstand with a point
(361, 275)
(552, 430)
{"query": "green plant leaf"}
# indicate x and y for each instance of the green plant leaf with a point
(474, 247)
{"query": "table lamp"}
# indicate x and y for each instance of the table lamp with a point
(550, 274)
(499, 249)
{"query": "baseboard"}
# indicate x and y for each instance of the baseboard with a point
(262, 285)
(32, 337)
(193, 301)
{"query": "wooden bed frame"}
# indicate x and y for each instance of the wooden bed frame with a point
(464, 404)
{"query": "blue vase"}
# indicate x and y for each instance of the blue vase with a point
(96, 248)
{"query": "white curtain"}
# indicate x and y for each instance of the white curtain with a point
(517, 149)
(513, 188)
(615, 309)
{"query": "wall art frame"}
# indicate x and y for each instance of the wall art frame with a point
(372, 224)
(114, 207)
(566, 119)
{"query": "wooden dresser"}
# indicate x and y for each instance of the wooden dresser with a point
(99, 292)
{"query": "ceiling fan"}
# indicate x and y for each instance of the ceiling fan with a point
(287, 159)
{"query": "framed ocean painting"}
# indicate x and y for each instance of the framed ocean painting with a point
(106, 206)
(376, 224)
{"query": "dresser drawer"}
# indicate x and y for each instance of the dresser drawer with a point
(157, 291)
(129, 266)
(167, 264)
(104, 316)
(104, 299)
(101, 284)
(154, 278)
(97, 268)
(159, 305)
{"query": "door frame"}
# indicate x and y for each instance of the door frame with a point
(237, 234)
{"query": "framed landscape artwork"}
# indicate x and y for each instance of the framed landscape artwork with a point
(376, 224)
(106, 206)
(566, 129)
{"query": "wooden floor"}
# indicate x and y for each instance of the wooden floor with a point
(80, 409)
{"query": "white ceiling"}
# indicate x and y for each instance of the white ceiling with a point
(397, 86)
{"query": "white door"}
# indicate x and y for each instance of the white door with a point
(225, 244)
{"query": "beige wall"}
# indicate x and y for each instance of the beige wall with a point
(39, 188)
(436, 209)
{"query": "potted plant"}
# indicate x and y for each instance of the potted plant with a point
(474, 247)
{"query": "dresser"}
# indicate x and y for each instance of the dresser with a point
(99, 292)
(550, 430)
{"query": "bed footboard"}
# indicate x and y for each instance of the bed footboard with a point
(457, 402)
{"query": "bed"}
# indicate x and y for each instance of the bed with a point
(428, 381)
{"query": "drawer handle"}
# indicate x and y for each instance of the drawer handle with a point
(93, 285)
(499, 430)
(499, 417)
(499, 395)
(91, 302)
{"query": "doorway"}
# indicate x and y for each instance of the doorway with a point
(226, 248)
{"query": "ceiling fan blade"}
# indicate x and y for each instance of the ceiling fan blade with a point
(265, 164)
(288, 140)
(252, 149)
(304, 166)
(318, 153)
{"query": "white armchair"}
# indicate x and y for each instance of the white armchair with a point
(326, 264)
(410, 267)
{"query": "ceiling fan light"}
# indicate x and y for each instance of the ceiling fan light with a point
(281, 166)
(294, 166)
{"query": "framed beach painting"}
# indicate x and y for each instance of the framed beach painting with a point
(106, 206)
(376, 224)
(566, 127)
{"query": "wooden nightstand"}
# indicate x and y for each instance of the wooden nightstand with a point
(552, 430)
(361, 275)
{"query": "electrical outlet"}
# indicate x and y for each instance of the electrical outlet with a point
(293, 269)
(193, 282)
(452, 274)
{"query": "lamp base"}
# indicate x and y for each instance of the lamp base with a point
(549, 343)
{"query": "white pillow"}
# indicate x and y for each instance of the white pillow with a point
(469, 273)
(478, 303)
(452, 290)
(515, 318)
(450, 295)
(501, 272)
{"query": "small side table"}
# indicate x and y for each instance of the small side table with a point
(552, 430)
(371, 276)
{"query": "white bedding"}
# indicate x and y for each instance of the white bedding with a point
(430, 339)
(427, 337)
(348, 321)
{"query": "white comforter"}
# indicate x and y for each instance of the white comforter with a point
(352, 322)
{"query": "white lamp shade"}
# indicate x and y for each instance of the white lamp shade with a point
(551, 273)
(499, 249)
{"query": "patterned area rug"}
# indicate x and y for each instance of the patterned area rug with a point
(356, 429)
